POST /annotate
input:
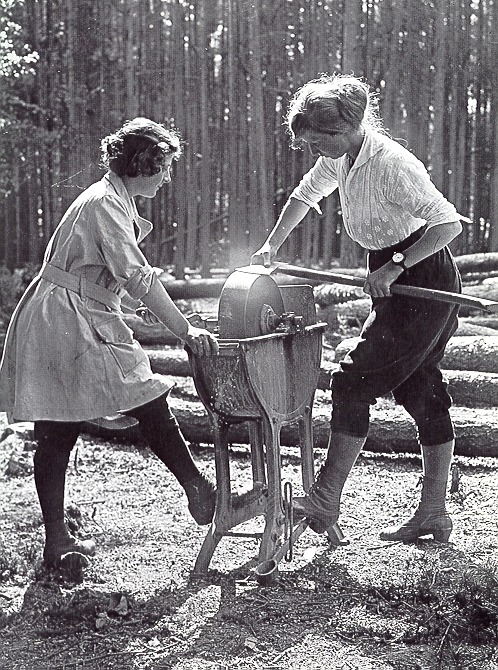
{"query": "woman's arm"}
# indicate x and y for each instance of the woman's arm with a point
(292, 214)
(160, 303)
(319, 182)
(378, 283)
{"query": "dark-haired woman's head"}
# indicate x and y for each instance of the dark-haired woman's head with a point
(140, 148)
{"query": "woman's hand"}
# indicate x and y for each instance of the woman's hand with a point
(265, 254)
(201, 342)
(378, 283)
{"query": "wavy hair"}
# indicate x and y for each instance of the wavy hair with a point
(139, 148)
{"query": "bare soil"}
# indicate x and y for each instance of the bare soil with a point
(370, 605)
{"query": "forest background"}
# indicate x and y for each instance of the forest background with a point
(222, 72)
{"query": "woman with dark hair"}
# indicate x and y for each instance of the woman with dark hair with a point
(393, 210)
(69, 356)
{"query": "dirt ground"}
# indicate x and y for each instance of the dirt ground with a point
(369, 605)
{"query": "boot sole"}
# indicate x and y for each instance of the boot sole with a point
(70, 562)
(441, 536)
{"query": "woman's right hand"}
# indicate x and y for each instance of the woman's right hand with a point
(264, 255)
(201, 342)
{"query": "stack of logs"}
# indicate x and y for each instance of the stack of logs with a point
(470, 367)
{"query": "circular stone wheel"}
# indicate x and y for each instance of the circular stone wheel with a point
(244, 298)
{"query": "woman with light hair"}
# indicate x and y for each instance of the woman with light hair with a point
(394, 211)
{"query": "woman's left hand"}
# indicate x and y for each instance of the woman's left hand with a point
(378, 283)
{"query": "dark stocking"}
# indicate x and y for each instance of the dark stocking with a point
(55, 440)
(162, 433)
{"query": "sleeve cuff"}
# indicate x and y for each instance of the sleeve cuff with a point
(140, 282)
(311, 205)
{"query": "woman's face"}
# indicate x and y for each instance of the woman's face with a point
(328, 144)
(147, 187)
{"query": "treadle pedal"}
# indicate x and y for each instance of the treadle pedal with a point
(336, 536)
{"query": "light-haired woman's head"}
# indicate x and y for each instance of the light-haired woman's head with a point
(139, 148)
(332, 104)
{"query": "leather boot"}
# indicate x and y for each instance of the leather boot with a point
(59, 543)
(201, 494)
(320, 506)
(431, 517)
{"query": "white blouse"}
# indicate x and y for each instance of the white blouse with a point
(385, 196)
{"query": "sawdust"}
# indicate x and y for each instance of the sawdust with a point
(370, 605)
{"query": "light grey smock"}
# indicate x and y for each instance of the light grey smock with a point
(68, 357)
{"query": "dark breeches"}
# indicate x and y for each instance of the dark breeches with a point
(402, 343)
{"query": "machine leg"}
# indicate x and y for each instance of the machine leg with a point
(274, 520)
(222, 465)
(257, 452)
(221, 521)
(306, 444)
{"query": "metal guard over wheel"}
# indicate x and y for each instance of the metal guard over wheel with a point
(245, 301)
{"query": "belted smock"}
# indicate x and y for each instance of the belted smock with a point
(69, 355)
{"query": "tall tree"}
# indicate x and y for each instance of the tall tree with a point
(351, 62)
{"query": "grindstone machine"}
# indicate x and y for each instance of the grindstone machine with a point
(265, 375)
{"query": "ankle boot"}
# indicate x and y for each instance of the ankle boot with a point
(431, 517)
(201, 494)
(422, 523)
(320, 506)
(60, 542)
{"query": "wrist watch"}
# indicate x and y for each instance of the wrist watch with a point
(399, 258)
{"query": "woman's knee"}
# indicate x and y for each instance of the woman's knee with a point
(54, 442)
(428, 404)
(153, 411)
(60, 435)
(350, 417)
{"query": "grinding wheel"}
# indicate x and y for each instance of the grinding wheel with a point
(247, 303)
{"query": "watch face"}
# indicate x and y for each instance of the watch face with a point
(398, 257)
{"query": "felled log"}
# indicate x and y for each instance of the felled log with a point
(391, 430)
(468, 388)
(333, 294)
(194, 289)
(188, 289)
(169, 361)
(468, 328)
(487, 289)
(476, 432)
(472, 353)
(479, 354)
(354, 313)
(477, 262)
(488, 321)
(347, 298)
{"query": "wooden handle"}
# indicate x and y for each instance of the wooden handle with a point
(399, 289)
